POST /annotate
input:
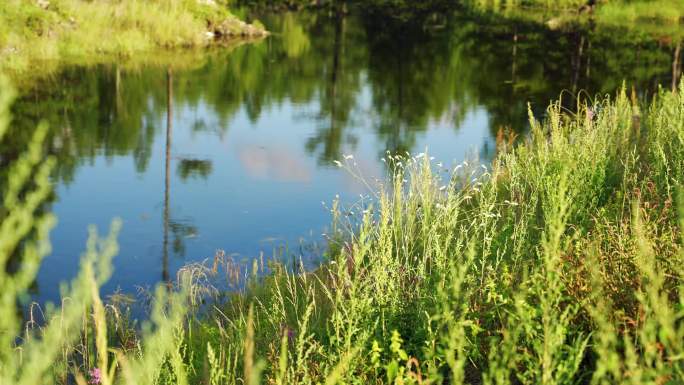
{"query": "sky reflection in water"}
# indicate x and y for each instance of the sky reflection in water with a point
(255, 131)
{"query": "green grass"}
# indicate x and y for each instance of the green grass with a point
(558, 4)
(32, 33)
(560, 264)
(671, 11)
(658, 15)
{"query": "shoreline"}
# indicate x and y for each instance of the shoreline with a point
(40, 34)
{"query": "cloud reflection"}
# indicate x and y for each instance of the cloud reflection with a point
(274, 163)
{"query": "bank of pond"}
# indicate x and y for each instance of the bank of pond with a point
(510, 202)
(560, 263)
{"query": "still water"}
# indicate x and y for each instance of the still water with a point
(234, 149)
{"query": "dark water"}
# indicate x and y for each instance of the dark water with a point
(234, 149)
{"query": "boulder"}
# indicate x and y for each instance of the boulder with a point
(237, 28)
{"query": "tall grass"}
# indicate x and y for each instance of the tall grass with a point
(72, 344)
(561, 263)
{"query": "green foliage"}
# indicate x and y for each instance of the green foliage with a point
(35, 32)
(670, 11)
(560, 265)
(58, 350)
(637, 14)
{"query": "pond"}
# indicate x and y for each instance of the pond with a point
(234, 149)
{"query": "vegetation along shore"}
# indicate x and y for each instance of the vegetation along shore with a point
(35, 32)
(559, 260)
(560, 264)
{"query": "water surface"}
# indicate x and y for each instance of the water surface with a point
(235, 149)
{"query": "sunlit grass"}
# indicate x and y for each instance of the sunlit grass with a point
(656, 17)
(559, 265)
(32, 32)
(664, 10)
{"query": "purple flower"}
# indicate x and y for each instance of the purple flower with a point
(95, 376)
(286, 331)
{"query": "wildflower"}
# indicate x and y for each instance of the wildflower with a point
(337, 162)
(285, 330)
(95, 376)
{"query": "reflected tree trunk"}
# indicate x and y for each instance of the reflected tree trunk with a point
(117, 89)
(167, 167)
(395, 140)
(588, 75)
(676, 67)
(577, 63)
(334, 138)
(515, 55)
